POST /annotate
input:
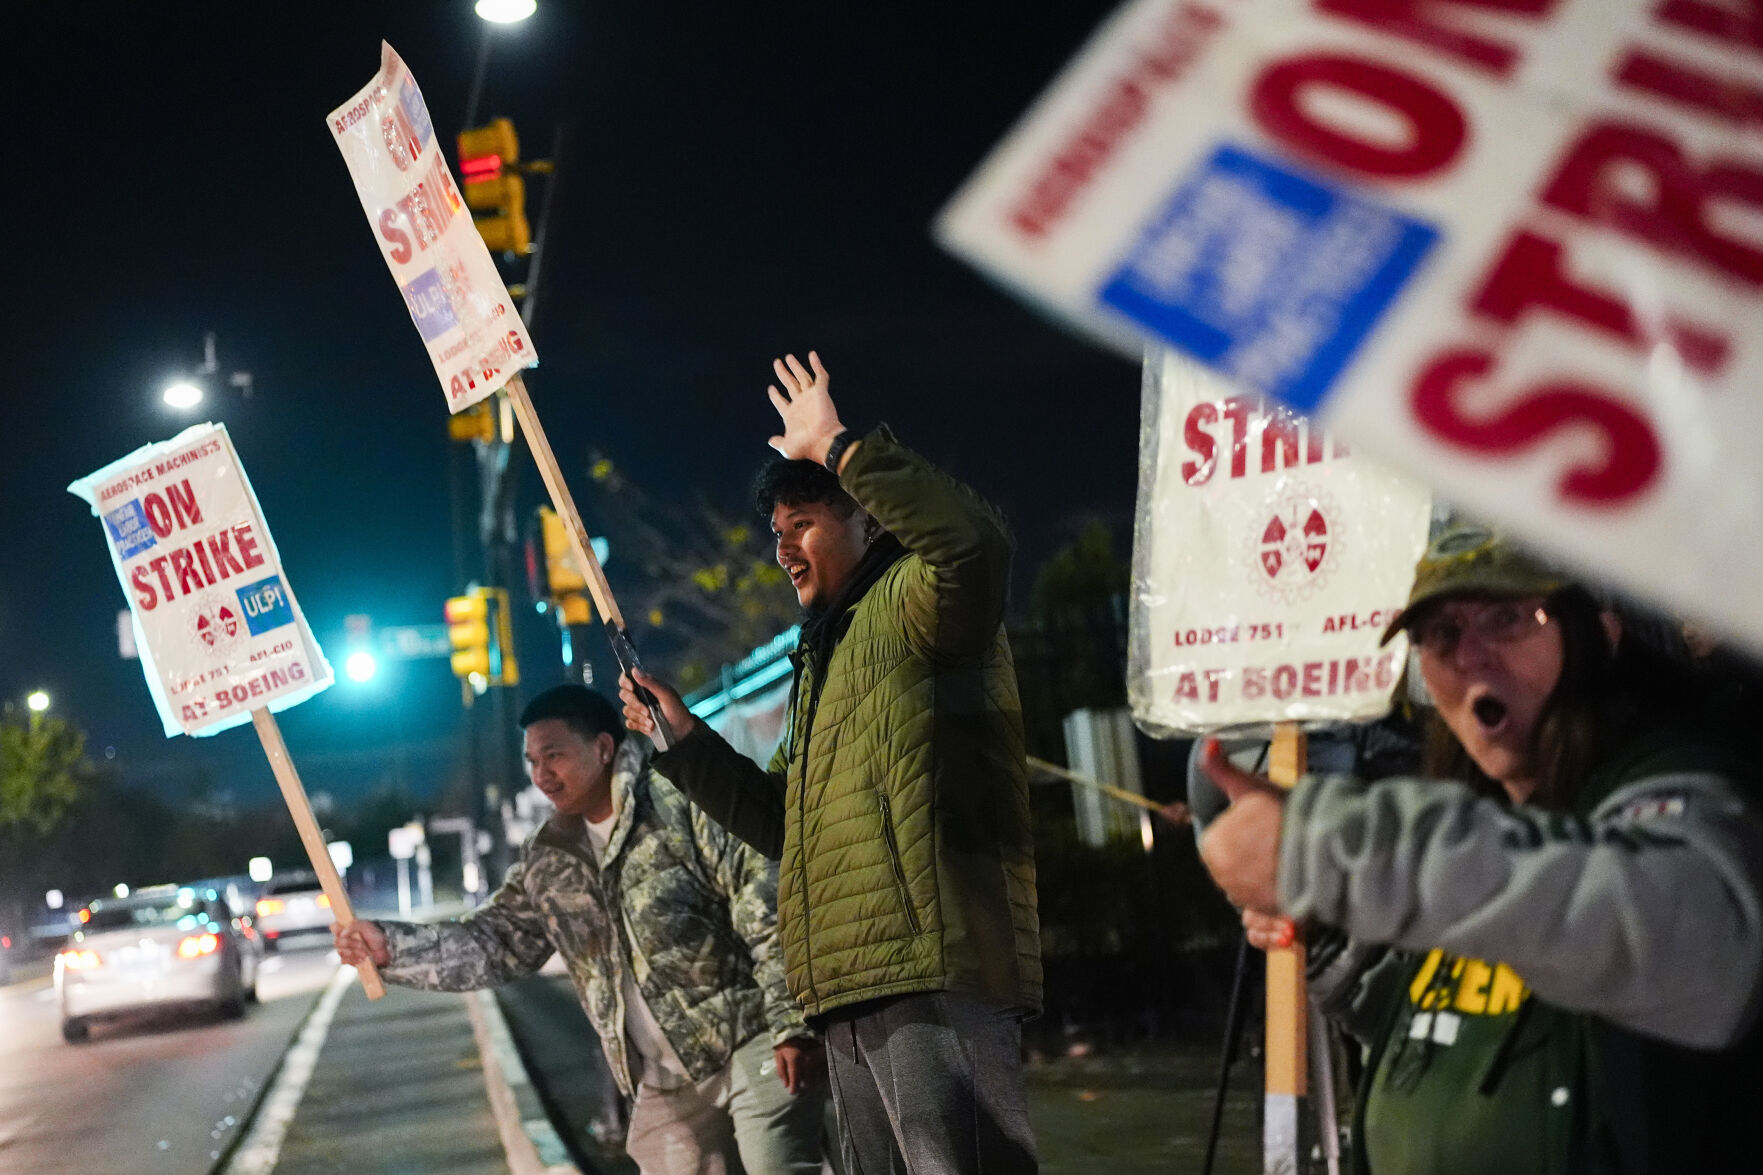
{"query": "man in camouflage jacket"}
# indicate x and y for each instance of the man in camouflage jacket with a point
(668, 927)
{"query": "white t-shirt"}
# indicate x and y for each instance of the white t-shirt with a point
(659, 1066)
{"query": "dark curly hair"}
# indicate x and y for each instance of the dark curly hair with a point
(797, 483)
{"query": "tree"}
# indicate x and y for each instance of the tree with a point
(42, 763)
(708, 583)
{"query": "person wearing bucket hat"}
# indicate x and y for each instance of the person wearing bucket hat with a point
(1551, 941)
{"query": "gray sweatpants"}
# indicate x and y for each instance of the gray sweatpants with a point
(929, 1084)
(739, 1120)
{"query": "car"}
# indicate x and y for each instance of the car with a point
(159, 947)
(293, 905)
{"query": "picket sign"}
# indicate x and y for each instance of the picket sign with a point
(1285, 1131)
(475, 340)
(220, 636)
(1514, 250)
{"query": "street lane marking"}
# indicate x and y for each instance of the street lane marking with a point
(262, 1145)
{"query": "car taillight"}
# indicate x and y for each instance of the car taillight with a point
(80, 959)
(5, 940)
(85, 917)
(196, 945)
(267, 906)
(324, 899)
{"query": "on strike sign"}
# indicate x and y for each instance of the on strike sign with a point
(217, 628)
(456, 298)
(1513, 248)
(1268, 559)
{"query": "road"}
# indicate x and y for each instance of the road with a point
(161, 1093)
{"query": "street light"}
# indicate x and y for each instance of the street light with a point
(505, 11)
(38, 701)
(183, 395)
(187, 393)
(361, 666)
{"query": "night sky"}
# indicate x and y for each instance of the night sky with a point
(735, 181)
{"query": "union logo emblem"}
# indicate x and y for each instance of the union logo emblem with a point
(1296, 547)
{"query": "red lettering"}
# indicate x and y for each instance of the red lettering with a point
(1628, 464)
(183, 504)
(1198, 469)
(201, 553)
(220, 546)
(247, 542)
(1236, 410)
(1720, 21)
(1529, 274)
(1728, 98)
(157, 566)
(143, 590)
(1279, 441)
(1403, 18)
(1312, 685)
(1213, 678)
(1358, 676)
(395, 236)
(184, 568)
(158, 514)
(1436, 127)
(1674, 215)
(1285, 682)
(1254, 682)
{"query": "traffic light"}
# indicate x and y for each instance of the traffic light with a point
(468, 631)
(476, 423)
(562, 576)
(495, 191)
(481, 632)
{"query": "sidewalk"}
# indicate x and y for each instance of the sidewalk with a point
(422, 1083)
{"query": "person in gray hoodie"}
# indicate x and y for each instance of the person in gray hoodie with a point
(1552, 945)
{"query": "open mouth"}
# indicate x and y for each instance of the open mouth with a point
(798, 572)
(1489, 711)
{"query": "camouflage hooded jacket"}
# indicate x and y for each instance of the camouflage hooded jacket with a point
(698, 927)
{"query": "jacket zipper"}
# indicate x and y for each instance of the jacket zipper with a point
(887, 815)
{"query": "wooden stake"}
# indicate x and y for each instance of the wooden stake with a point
(1282, 1142)
(579, 546)
(1107, 789)
(270, 734)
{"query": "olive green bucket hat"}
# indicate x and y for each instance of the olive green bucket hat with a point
(1469, 559)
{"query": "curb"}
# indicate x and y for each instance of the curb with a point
(530, 1141)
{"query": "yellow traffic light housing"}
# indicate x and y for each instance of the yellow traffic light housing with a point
(562, 576)
(468, 631)
(476, 423)
(481, 631)
(489, 163)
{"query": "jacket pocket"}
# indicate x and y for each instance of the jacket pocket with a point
(887, 818)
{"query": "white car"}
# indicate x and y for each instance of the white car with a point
(164, 946)
(293, 905)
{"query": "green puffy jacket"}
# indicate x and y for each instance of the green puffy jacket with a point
(898, 805)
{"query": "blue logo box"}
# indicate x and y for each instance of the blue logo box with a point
(266, 605)
(1267, 275)
(129, 530)
(429, 307)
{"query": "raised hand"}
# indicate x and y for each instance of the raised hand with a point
(810, 420)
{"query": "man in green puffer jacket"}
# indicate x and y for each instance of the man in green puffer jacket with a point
(898, 802)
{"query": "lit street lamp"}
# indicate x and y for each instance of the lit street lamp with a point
(38, 701)
(505, 11)
(185, 394)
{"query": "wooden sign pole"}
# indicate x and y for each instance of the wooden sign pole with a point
(1283, 1144)
(269, 732)
(579, 546)
(1107, 789)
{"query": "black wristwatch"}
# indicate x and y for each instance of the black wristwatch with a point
(837, 449)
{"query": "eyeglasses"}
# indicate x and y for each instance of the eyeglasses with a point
(1496, 622)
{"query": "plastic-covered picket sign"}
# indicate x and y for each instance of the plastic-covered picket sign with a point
(216, 625)
(1515, 254)
(1268, 558)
